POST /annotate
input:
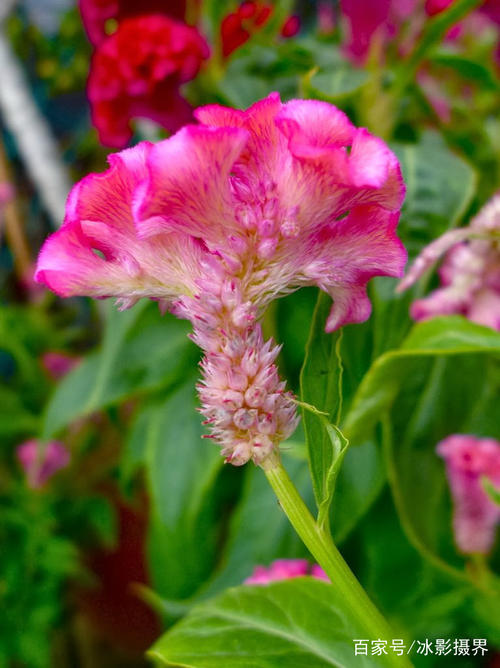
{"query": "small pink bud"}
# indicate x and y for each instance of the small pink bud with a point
(232, 399)
(254, 396)
(268, 227)
(267, 248)
(290, 229)
(244, 419)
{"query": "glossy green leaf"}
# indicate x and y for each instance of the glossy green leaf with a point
(443, 379)
(321, 388)
(141, 351)
(432, 404)
(300, 622)
(181, 470)
(479, 72)
(338, 84)
(360, 481)
(452, 335)
(439, 188)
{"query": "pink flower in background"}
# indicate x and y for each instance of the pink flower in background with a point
(97, 13)
(368, 20)
(222, 218)
(470, 272)
(326, 17)
(136, 73)
(58, 364)
(41, 460)
(285, 569)
(433, 7)
(237, 27)
(475, 515)
(291, 26)
(381, 22)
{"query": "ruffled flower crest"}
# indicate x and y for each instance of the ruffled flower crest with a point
(220, 219)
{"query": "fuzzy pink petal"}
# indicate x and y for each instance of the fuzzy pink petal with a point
(374, 166)
(485, 309)
(264, 162)
(188, 183)
(443, 301)
(313, 127)
(325, 180)
(431, 254)
(97, 252)
(258, 120)
(353, 250)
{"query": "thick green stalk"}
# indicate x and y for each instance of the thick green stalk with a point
(321, 546)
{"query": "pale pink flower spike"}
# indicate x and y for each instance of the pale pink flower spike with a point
(470, 272)
(475, 515)
(220, 219)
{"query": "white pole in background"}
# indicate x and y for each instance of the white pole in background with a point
(32, 134)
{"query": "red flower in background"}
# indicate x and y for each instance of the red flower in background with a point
(237, 27)
(136, 72)
(96, 13)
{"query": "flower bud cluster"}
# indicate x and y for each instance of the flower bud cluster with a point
(243, 400)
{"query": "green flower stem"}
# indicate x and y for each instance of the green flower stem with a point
(321, 546)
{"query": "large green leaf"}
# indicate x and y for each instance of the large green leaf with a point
(451, 335)
(432, 404)
(360, 481)
(301, 623)
(321, 387)
(444, 379)
(141, 351)
(439, 188)
(181, 470)
(337, 84)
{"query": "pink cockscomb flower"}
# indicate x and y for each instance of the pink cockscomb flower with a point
(470, 272)
(97, 14)
(285, 569)
(136, 73)
(475, 516)
(220, 219)
(41, 460)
